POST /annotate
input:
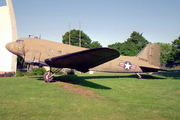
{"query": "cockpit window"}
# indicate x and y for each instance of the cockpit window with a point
(20, 41)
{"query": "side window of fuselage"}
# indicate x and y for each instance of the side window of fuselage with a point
(59, 51)
(50, 50)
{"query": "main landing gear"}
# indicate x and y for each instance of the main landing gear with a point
(48, 75)
(139, 76)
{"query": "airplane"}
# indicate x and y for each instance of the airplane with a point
(39, 52)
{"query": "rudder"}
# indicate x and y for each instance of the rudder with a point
(151, 54)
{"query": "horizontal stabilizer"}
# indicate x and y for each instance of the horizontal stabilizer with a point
(83, 60)
(150, 69)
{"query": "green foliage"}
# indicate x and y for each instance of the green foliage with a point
(9, 74)
(176, 50)
(95, 44)
(74, 34)
(138, 40)
(59, 73)
(19, 61)
(132, 46)
(53, 69)
(174, 57)
(70, 71)
(27, 74)
(19, 73)
(165, 52)
(39, 71)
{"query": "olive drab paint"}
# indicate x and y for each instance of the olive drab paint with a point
(39, 52)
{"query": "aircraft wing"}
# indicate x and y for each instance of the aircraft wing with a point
(150, 69)
(83, 60)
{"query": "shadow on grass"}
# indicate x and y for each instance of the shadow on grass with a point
(144, 76)
(82, 80)
(74, 79)
(174, 75)
(79, 80)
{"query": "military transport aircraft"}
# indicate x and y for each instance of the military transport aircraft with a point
(39, 52)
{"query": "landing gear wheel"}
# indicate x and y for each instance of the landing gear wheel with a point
(48, 76)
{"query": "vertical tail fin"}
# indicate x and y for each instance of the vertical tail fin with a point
(150, 53)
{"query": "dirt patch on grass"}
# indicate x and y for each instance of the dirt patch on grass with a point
(81, 91)
(76, 89)
(154, 111)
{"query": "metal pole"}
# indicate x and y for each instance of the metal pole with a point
(69, 33)
(79, 34)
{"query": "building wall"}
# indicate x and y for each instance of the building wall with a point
(8, 33)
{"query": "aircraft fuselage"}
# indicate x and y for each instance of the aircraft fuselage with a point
(35, 51)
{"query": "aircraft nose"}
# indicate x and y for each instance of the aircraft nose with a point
(8, 46)
(15, 48)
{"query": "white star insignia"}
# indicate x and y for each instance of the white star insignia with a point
(127, 66)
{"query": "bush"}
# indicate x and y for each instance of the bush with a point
(39, 71)
(19, 73)
(59, 73)
(9, 74)
(1, 75)
(27, 74)
(70, 72)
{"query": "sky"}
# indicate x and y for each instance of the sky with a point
(105, 21)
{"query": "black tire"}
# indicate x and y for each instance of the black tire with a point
(47, 75)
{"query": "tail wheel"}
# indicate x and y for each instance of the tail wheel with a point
(48, 76)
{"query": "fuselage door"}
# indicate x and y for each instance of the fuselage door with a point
(36, 56)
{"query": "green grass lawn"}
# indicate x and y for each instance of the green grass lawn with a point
(101, 96)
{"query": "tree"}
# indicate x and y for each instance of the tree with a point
(165, 52)
(138, 40)
(174, 57)
(132, 46)
(74, 35)
(115, 46)
(95, 44)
